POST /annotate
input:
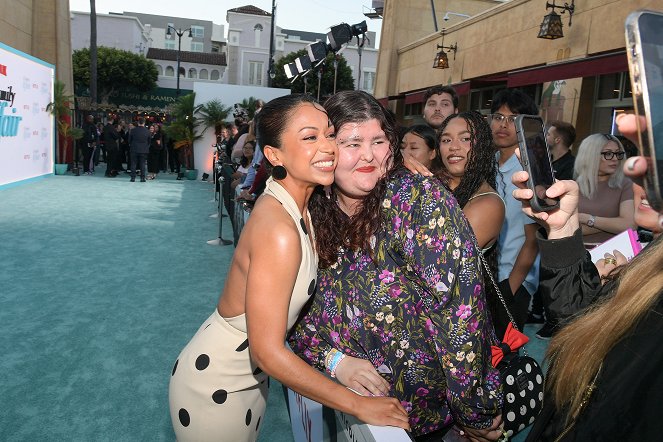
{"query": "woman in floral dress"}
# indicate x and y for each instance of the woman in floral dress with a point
(399, 283)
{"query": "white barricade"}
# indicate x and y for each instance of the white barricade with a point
(306, 418)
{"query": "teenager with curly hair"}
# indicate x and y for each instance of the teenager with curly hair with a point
(399, 283)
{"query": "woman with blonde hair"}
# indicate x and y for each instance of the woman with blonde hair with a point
(606, 197)
(604, 381)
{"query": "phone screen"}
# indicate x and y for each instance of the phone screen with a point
(651, 38)
(538, 157)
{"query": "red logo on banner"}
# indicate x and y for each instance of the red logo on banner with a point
(3, 70)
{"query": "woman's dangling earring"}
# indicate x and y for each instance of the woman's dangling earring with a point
(279, 172)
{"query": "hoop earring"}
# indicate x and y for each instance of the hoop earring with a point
(279, 172)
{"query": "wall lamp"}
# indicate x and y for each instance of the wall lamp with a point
(441, 60)
(551, 26)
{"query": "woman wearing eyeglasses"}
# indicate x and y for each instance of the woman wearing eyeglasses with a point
(606, 196)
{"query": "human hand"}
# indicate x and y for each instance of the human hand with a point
(360, 375)
(609, 263)
(492, 433)
(382, 411)
(415, 166)
(561, 222)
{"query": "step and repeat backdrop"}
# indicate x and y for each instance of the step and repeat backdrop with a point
(27, 132)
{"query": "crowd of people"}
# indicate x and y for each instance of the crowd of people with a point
(132, 148)
(365, 255)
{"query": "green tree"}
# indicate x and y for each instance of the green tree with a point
(250, 104)
(184, 128)
(344, 80)
(214, 114)
(116, 69)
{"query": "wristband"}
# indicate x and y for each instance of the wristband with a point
(333, 358)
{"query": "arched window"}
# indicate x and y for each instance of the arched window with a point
(257, 29)
(182, 72)
(204, 75)
(192, 73)
(215, 75)
(159, 70)
(170, 71)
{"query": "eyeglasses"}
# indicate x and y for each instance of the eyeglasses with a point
(608, 155)
(499, 118)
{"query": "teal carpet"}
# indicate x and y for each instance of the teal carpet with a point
(102, 282)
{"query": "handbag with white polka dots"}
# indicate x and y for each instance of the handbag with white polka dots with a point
(521, 375)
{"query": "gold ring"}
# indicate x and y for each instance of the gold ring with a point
(610, 260)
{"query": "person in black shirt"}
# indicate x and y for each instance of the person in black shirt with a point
(560, 137)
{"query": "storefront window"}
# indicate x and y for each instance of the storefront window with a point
(610, 87)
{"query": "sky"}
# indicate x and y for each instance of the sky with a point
(303, 15)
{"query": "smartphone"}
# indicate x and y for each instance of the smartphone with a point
(644, 48)
(535, 158)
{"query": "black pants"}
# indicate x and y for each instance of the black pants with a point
(88, 158)
(111, 162)
(138, 159)
(173, 160)
(518, 304)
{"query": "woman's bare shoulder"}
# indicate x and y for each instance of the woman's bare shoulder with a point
(270, 227)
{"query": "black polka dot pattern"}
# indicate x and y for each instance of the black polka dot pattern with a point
(258, 424)
(185, 419)
(248, 417)
(220, 396)
(312, 287)
(303, 224)
(175, 367)
(257, 371)
(202, 362)
(243, 346)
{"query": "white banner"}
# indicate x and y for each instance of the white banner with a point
(27, 132)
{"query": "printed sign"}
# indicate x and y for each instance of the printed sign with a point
(26, 128)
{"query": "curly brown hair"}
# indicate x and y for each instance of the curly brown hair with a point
(334, 229)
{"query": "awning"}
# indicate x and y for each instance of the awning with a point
(587, 67)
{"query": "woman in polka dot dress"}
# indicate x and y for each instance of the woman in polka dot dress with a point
(218, 387)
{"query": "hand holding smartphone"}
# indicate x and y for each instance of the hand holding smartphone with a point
(644, 48)
(535, 159)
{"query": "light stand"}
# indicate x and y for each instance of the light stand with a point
(220, 241)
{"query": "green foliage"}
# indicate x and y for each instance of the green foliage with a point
(116, 69)
(184, 128)
(60, 109)
(214, 114)
(344, 80)
(250, 105)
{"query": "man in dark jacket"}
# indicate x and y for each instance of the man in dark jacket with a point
(89, 144)
(110, 136)
(139, 145)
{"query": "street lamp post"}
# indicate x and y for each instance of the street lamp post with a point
(179, 34)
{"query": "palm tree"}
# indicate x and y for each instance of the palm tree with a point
(250, 105)
(184, 128)
(93, 53)
(59, 108)
(214, 114)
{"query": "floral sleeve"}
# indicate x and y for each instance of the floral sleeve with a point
(305, 339)
(428, 232)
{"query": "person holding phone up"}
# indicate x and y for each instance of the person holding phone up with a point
(604, 380)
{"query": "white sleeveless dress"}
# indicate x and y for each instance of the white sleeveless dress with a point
(216, 392)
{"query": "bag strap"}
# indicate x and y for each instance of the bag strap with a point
(497, 289)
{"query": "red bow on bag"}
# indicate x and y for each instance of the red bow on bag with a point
(513, 340)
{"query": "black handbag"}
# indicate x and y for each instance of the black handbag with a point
(521, 376)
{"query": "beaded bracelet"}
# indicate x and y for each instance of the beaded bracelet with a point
(333, 358)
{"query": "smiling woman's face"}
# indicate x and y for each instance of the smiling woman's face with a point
(363, 150)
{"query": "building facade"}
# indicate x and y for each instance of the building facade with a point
(581, 78)
(113, 30)
(40, 28)
(249, 30)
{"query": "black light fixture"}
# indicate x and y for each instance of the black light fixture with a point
(551, 26)
(179, 33)
(441, 60)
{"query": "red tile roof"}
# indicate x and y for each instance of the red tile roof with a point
(250, 9)
(214, 58)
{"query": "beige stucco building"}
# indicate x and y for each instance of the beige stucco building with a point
(40, 28)
(581, 78)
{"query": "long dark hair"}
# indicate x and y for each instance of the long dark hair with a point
(334, 229)
(481, 162)
(481, 166)
(429, 135)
